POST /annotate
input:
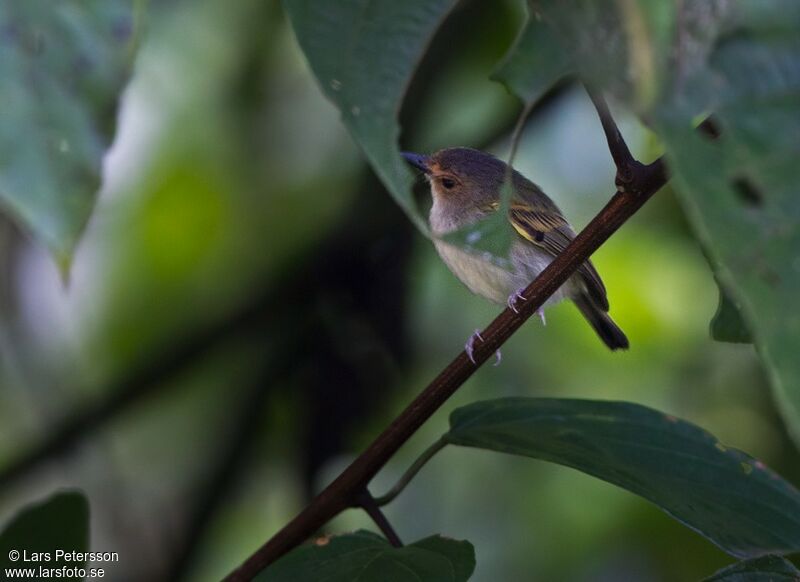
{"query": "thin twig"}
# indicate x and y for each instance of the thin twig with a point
(516, 136)
(616, 143)
(645, 180)
(366, 501)
(507, 191)
(411, 472)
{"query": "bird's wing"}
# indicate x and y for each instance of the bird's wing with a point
(551, 232)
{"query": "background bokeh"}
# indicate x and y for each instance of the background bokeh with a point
(249, 308)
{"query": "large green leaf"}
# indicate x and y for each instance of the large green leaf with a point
(742, 191)
(722, 493)
(624, 47)
(674, 61)
(765, 569)
(59, 523)
(366, 557)
(363, 53)
(63, 65)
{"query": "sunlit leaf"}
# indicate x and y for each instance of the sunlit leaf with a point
(63, 66)
(366, 557)
(363, 54)
(59, 523)
(727, 496)
(766, 569)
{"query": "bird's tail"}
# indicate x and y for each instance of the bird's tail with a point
(602, 323)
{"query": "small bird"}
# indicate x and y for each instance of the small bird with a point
(465, 186)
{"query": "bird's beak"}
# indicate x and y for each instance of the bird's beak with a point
(419, 161)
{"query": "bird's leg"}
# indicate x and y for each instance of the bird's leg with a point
(514, 297)
(469, 347)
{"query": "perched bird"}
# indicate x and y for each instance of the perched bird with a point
(465, 186)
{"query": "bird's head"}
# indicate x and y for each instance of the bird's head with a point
(461, 176)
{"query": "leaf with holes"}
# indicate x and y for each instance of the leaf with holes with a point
(725, 495)
(740, 192)
(363, 556)
(63, 66)
(676, 61)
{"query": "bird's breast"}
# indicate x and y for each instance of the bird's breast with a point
(487, 278)
(481, 275)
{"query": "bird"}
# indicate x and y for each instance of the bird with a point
(465, 186)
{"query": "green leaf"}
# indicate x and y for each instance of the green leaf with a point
(741, 191)
(727, 324)
(765, 569)
(59, 523)
(727, 496)
(366, 557)
(63, 66)
(461, 554)
(674, 62)
(535, 63)
(624, 47)
(363, 54)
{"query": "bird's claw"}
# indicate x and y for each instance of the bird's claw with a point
(469, 348)
(513, 298)
(518, 296)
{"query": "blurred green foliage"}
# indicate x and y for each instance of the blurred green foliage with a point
(737, 61)
(238, 217)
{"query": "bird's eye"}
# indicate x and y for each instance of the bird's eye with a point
(448, 183)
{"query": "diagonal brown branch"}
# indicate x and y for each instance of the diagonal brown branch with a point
(643, 182)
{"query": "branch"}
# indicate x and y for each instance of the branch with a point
(616, 143)
(644, 181)
(366, 501)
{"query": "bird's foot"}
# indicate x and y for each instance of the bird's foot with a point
(469, 347)
(518, 296)
(513, 298)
